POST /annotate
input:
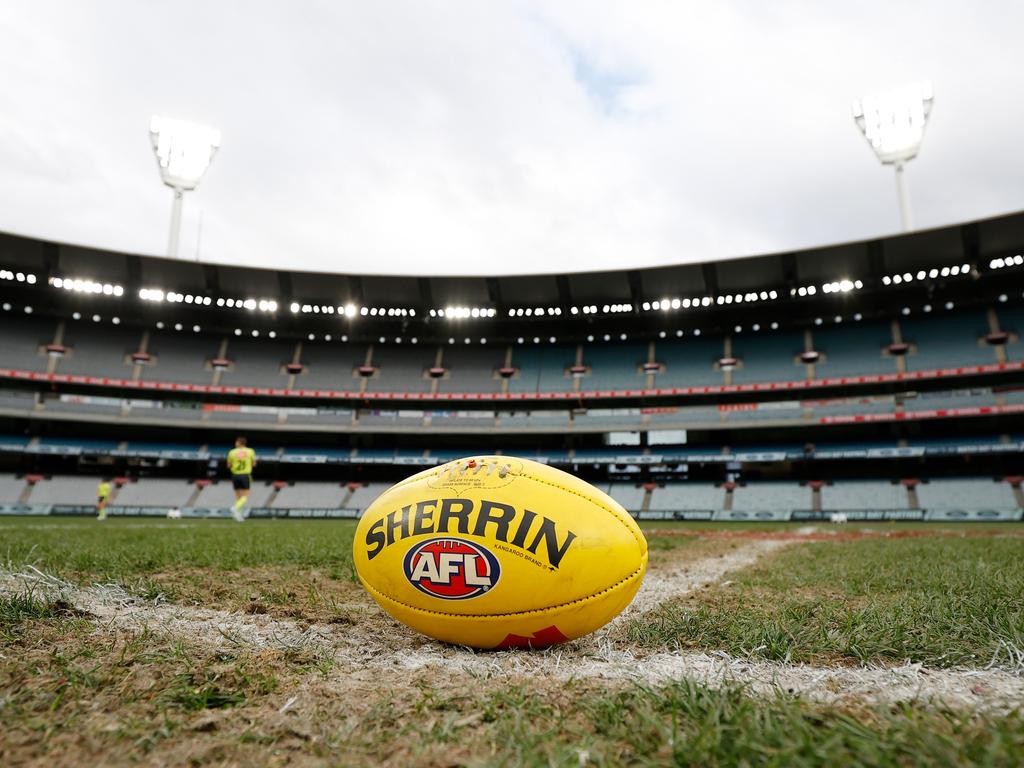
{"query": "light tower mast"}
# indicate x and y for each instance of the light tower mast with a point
(183, 153)
(893, 122)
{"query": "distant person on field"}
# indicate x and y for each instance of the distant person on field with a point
(241, 461)
(102, 494)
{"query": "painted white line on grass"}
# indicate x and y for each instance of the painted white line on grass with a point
(379, 646)
(680, 579)
(985, 689)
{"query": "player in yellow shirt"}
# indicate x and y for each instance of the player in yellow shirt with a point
(102, 494)
(241, 460)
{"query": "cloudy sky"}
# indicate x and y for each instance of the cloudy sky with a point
(494, 137)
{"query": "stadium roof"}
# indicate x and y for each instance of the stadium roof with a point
(976, 243)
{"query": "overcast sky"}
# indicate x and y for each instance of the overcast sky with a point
(494, 137)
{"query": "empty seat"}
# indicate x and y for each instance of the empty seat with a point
(99, 352)
(330, 365)
(947, 341)
(614, 366)
(629, 495)
(768, 356)
(364, 495)
(310, 495)
(771, 496)
(863, 494)
(216, 495)
(66, 490)
(402, 368)
(11, 488)
(853, 349)
(684, 496)
(471, 369)
(966, 494)
(542, 368)
(155, 492)
(181, 357)
(258, 363)
(690, 362)
(21, 342)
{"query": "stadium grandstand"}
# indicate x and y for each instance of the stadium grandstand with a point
(882, 378)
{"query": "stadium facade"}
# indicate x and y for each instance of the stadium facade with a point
(881, 378)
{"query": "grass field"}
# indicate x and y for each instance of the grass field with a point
(210, 643)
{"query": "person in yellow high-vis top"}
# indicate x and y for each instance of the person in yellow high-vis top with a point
(102, 494)
(241, 460)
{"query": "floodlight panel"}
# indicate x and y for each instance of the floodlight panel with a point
(183, 150)
(893, 122)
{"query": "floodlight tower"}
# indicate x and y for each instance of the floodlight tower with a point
(893, 122)
(183, 152)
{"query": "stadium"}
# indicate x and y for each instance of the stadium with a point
(880, 379)
(819, 450)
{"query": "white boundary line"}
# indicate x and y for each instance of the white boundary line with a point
(398, 651)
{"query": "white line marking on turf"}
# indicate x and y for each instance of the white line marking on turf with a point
(366, 650)
(680, 579)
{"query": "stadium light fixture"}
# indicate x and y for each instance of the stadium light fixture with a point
(461, 313)
(1009, 261)
(21, 277)
(893, 123)
(957, 270)
(183, 153)
(86, 286)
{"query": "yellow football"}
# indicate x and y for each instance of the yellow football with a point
(499, 552)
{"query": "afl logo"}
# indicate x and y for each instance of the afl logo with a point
(451, 569)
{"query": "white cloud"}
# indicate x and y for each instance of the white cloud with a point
(499, 137)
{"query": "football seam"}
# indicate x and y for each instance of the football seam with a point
(638, 572)
(641, 542)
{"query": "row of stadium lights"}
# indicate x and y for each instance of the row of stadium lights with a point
(350, 310)
(707, 301)
(269, 305)
(922, 274)
(179, 327)
(96, 318)
(77, 285)
(172, 297)
(1009, 261)
(461, 313)
(21, 277)
(755, 327)
(255, 333)
(838, 286)
(538, 311)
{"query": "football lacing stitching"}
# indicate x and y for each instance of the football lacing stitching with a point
(475, 467)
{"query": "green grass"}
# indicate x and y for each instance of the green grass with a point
(25, 606)
(78, 692)
(125, 550)
(681, 724)
(128, 549)
(20, 609)
(157, 701)
(937, 600)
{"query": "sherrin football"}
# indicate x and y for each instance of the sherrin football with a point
(499, 552)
